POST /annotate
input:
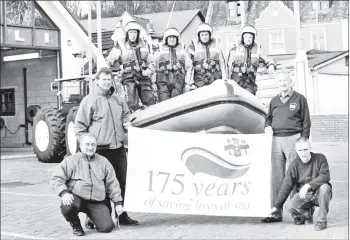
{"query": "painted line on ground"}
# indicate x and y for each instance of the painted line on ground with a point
(29, 194)
(18, 157)
(18, 235)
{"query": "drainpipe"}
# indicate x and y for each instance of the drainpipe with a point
(25, 106)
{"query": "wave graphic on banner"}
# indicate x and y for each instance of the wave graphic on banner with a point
(200, 160)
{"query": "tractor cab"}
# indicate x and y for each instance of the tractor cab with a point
(70, 92)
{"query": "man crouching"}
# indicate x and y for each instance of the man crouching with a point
(83, 180)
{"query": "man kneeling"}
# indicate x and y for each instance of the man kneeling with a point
(309, 177)
(83, 180)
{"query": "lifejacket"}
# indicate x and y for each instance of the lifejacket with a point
(242, 63)
(204, 61)
(129, 57)
(168, 62)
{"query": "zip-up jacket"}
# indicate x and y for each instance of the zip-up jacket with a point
(90, 179)
(103, 113)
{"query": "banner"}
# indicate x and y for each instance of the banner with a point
(193, 173)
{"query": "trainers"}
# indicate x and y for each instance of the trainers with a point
(299, 221)
(78, 231)
(89, 224)
(319, 226)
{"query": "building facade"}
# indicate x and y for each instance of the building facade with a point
(40, 42)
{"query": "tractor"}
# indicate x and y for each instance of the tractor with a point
(53, 128)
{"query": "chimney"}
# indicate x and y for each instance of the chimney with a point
(150, 29)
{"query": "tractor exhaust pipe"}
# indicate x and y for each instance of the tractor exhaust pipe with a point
(25, 106)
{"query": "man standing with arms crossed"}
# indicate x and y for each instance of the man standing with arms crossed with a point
(288, 119)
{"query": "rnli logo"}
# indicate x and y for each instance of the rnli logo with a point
(233, 165)
(292, 106)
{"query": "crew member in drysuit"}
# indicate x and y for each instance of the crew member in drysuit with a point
(207, 59)
(172, 63)
(243, 61)
(137, 67)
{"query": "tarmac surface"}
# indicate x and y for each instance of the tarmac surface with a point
(30, 209)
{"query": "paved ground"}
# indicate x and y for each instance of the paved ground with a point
(29, 210)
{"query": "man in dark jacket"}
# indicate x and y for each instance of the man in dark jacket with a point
(82, 181)
(106, 115)
(288, 119)
(308, 176)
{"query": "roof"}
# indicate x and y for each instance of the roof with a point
(179, 19)
(315, 57)
(319, 58)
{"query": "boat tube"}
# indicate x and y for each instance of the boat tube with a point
(222, 107)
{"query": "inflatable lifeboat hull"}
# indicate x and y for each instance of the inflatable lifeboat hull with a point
(222, 107)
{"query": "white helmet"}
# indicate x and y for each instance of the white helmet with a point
(204, 27)
(248, 29)
(171, 32)
(132, 26)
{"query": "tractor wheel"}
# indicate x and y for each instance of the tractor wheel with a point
(71, 140)
(48, 135)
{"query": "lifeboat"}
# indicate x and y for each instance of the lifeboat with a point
(222, 107)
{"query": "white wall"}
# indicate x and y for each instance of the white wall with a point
(345, 31)
(332, 94)
(70, 30)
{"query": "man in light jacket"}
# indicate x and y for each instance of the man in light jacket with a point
(83, 180)
(106, 115)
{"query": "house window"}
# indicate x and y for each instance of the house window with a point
(324, 5)
(276, 42)
(233, 7)
(319, 44)
(19, 13)
(7, 102)
(347, 61)
(321, 5)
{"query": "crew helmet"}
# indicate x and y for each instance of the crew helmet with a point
(204, 27)
(248, 29)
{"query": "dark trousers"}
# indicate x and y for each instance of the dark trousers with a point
(169, 85)
(246, 81)
(117, 157)
(301, 207)
(139, 89)
(98, 212)
(202, 79)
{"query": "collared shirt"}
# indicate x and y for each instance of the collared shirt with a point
(285, 98)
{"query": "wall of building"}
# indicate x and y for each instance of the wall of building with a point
(330, 29)
(329, 128)
(40, 73)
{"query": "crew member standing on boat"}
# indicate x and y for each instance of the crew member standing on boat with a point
(172, 64)
(243, 61)
(137, 67)
(207, 60)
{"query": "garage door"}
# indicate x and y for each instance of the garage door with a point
(332, 94)
(40, 73)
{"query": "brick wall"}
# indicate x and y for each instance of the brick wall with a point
(329, 128)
